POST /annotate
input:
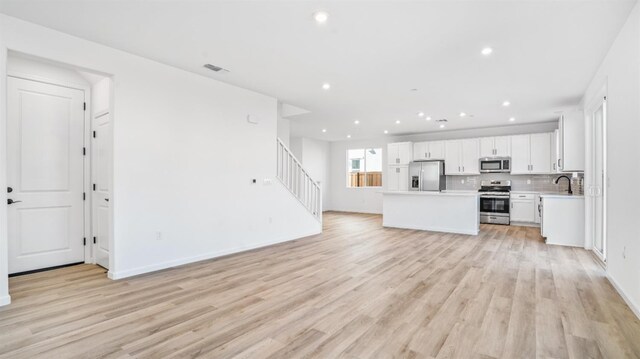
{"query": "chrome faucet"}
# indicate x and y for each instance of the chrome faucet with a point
(568, 179)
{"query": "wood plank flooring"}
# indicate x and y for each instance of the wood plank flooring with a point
(356, 291)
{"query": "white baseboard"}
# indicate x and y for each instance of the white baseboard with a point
(634, 307)
(178, 262)
(5, 300)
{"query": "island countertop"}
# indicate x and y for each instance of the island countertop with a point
(433, 193)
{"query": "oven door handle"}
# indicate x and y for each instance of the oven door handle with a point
(495, 197)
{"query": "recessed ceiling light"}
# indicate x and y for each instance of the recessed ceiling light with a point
(326, 86)
(420, 114)
(356, 122)
(385, 132)
(512, 119)
(428, 118)
(487, 51)
(324, 130)
(397, 122)
(348, 136)
(321, 17)
(462, 114)
(442, 125)
(506, 104)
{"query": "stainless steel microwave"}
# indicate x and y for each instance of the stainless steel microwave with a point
(495, 165)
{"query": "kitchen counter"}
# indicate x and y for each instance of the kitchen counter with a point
(434, 193)
(561, 195)
(447, 211)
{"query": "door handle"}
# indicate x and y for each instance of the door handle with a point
(10, 201)
(9, 189)
(106, 199)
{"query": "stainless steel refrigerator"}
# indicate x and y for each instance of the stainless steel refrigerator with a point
(427, 176)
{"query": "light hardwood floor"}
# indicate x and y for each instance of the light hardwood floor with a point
(356, 291)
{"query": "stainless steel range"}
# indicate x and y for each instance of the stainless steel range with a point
(494, 202)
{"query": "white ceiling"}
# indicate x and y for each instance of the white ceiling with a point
(372, 54)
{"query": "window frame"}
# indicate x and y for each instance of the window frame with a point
(363, 163)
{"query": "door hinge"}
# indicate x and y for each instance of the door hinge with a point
(84, 151)
(84, 196)
(94, 134)
(94, 240)
(84, 106)
(84, 241)
(94, 186)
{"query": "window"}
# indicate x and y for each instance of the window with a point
(364, 167)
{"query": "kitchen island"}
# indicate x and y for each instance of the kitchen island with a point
(450, 212)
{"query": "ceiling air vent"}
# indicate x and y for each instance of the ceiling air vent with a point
(443, 120)
(215, 68)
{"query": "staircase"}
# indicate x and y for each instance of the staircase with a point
(298, 181)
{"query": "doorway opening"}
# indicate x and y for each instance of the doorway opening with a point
(58, 165)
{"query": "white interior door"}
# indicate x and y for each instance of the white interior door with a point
(598, 189)
(101, 152)
(45, 127)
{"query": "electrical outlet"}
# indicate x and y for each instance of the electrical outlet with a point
(158, 236)
(462, 181)
(267, 181)
(528, 181)
(624, 252)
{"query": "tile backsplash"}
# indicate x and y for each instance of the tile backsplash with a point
(534, 183)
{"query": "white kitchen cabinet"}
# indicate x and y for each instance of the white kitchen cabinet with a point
(563, 220)
(436, 150)
(397, 178)
(531, 154)
(487, 148)
(470, 156)
(495, 146)
(540, 153)
(462, 156)
(502, 145)
(538, 207)
(571, 141)
(522, 207)
(555, 152)
(433, 150)
(520, 154)
(399, 153)
(452, 157)
(420, 151)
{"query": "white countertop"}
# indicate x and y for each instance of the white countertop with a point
(561, 195)
(433, 193)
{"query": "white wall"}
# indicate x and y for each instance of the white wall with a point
(369, 200)
(184, 156)
(620, 73)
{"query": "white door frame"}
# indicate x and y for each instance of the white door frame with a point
(88, 248)
(599, 98)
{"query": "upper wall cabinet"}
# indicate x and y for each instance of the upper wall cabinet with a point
(495, 146)
(531, 154)
(399, 153)
(571, 142)
(433, 150)
(461, 157)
